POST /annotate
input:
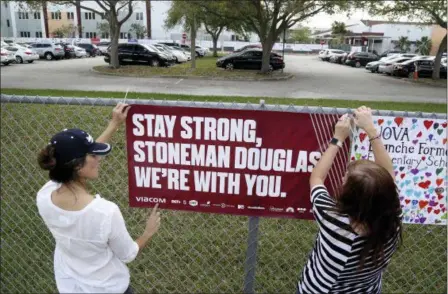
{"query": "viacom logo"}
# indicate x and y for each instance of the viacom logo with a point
(193, 203)
(151, 200)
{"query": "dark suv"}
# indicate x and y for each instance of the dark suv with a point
(91, 49)
(359, 59)
(140, 54)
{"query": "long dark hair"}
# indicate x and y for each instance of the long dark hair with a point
(370, 198)
(58, 172)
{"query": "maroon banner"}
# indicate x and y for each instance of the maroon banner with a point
(241, 162)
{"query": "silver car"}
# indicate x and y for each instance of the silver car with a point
(49, 51)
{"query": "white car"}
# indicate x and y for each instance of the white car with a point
(333, 54)
(388, 66)
(178, 54)
(22, 54)
(327, 53)
(102, 46)
(7, 56)
(80, 52)
(202, 51)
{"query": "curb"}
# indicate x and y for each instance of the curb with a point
(409, 81)
(283, 78)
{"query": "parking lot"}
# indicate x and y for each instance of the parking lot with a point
(313, 78)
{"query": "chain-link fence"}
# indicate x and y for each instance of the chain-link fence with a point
(193, 252)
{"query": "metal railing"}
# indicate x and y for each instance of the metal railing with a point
(193, 252)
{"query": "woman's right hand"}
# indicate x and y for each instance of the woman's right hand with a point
(363, 118)
(153, 222)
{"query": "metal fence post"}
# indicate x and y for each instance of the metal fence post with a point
(251, 255)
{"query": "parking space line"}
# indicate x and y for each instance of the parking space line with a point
(178, 81)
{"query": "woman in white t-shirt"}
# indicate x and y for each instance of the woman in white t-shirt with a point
(92, 242)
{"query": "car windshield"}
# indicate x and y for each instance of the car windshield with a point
(152, 48)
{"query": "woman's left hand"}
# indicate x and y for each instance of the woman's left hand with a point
(119, 113)
(342, 128)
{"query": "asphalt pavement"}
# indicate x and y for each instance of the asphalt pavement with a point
(313, 78)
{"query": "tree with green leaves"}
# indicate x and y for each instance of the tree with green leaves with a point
(339, 30)
(65, 31)
(111, 10)
(403, 44)
(423, 46)
(301, 35)
(423, 11)
(269, 19)
(103, 28)
(138, 29)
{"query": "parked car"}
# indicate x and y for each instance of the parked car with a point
(339, 57)
(359, 59)
(374, 65)
(202, 51)
(331, 52)
(49, 51)
(79, 52)
(169, 52)
(7, 57)
(179, 54)
(388, 66)
(425, 68)
(140, 54)
(252, 46)
(102, 47)
(249, 59)
(22, 54)
(91, 49)
(390, 52)
(69, 51)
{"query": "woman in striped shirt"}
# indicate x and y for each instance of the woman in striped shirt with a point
(360, 229)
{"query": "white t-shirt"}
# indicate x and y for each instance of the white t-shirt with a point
(92, 245)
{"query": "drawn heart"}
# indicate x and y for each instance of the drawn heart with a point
(408, 192)
(428, 124)
(406, 218)
(407, 201)
(419, 134)
(363, 148)
(389, 122)
(421, 178)
(380, 121)
(442, 205)
(427, 196)
(402, 176)
(423, 157)
(422, 220)
(414, 120)
(424, 185)
(428, 174)
(436, 211)
(401, 198)
(439, 132)
(414, 202)
(417, 193)
(356, 147)
(362, 136)
(415, 179)
(444, 125)
(433, 203)
(402, 185)
(429, 209)
(439, 196)
(435, 126)
(444, 141)
(401, 168)
(396, 173)
(430, 137)
(414, 142)
(414, 171)
(398, 120)
(353, 158)
(439, 182)
(444, 209)
(431, 190)
(439, 170)
(422, 203)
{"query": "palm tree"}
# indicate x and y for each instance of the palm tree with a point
(403, 44)
(423, 46)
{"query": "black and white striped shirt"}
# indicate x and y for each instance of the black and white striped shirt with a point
(333, 265)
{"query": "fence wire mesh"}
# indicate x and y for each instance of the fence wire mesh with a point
(193, 252)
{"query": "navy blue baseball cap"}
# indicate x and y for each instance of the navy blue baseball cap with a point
(72, 144)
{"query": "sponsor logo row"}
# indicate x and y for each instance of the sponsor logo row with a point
(195, 203)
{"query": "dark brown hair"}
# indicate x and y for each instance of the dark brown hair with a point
(370, 198)
(60, 173)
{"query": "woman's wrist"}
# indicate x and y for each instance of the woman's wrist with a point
(371, 131)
